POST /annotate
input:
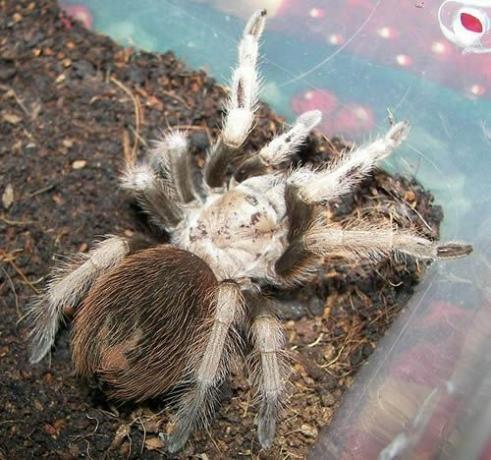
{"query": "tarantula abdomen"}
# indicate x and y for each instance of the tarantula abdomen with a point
(141, 324)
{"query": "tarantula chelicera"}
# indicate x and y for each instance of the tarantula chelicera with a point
(153, 317)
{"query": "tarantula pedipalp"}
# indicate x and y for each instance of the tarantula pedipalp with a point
(153, 317)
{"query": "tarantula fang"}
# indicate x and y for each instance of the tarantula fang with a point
(151, 317)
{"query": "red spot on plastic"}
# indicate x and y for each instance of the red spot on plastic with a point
(471, 23)
(80, 13)
(320, 99)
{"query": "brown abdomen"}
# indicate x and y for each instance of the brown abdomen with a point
(141, 325)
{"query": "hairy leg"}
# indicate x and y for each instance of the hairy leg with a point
(67, 287)
(310, 237)
(349, 170)
(155, 194)
(280, 149)
(211, 367)
(357, 239)
(268, 366)
(170, 159)
(372, 240)
(241, 106)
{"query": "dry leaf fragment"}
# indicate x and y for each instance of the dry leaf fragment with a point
(11, 118)
(153, 443)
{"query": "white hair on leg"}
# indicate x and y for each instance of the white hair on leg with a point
(211, 367)
(268, 368)
(245, 87)
(137, 178)
(170, 159)
(66, 288)
(286, 144)
(351, 168)
(241, 105)
(155, 194)
(173, 143)
(375, 240)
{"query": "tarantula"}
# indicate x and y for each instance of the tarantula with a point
(153, 317)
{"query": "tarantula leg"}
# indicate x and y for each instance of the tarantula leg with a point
(211, 368)
(375, 240)
(297, 264)
(239, 113)
(280, 149)
(311, 236)
(155, 194)
(297, 261)
(217, 161)
(350, 169)
(66, 288)
(171, 160)
(360, 241)
(268, 367)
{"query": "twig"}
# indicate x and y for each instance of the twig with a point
(139, 136)
(12, 288)
(96, 421)
(335, 360)
(317, 341)
(129, 160)
(144, 429)
(24, 277)
(15, 222)
(177, 98)
(10, 91)
(137, 109)
(42, 190)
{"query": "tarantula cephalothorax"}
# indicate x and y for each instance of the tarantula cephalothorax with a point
(156, 316)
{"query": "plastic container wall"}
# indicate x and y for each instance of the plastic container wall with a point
(424, 393)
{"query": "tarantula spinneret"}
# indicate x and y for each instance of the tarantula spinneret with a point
(151, 317)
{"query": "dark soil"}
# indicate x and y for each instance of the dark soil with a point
(73, 105)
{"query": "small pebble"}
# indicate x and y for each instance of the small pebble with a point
(410, 196)
(8, 196)
(309, 431)
(79, 164)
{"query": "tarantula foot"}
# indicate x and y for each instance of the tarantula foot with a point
(453, 250)
(255, 25)
(398, 132)
(175, 441)
(266, 429)
(173, 445)
(39, 349)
